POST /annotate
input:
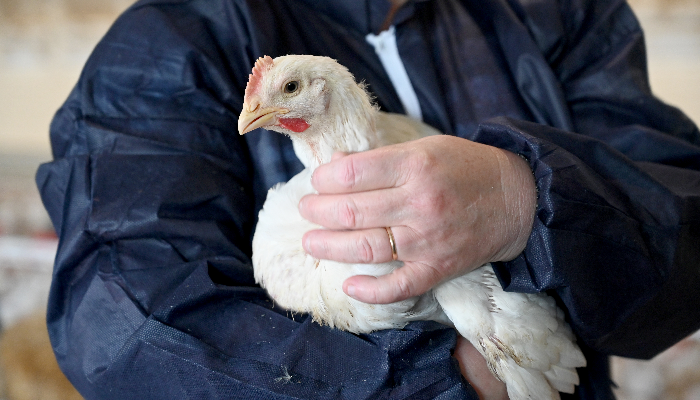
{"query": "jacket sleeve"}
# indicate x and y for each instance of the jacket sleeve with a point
(151, 193)
(617, 227)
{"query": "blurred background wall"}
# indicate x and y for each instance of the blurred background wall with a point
(43, 45)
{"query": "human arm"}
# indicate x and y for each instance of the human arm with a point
(590, 78)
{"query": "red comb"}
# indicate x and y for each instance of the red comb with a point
(262, 65)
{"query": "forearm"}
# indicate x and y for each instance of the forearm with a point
(608, 237)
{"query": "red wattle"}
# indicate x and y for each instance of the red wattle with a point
(294, 124)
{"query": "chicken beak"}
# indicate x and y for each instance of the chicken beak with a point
(258, 117)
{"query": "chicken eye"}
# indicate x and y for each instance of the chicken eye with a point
(291, 86)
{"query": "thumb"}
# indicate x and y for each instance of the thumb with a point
(412, 279)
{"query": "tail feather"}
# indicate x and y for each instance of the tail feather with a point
(562, 379)
(523, 337)
(526, 384)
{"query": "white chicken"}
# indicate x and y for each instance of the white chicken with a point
(523, 337)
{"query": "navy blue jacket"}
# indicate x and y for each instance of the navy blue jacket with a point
(154, 195)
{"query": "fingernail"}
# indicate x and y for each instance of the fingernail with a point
(305, 244)
(351, 290)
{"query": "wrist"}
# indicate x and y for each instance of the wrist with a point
(520, 203)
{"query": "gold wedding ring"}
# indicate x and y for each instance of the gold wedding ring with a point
(392, 242)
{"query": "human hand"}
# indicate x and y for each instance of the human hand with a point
(474, 369)
(452, 204)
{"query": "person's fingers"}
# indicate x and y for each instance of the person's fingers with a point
(375, 169)
(338, 155)
(365, 246)
(364, 210)
(474, 369)
(412, 279)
